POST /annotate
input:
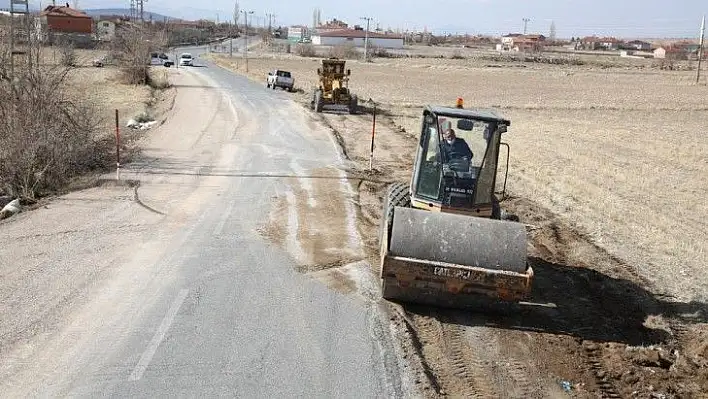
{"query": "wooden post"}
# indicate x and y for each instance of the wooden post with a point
(373, 135)
(117, 147)
(700, 50)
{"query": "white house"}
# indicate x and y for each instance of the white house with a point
(105, 30)
(298, 33)
(508, 40)
(357, 37)
(640, 45)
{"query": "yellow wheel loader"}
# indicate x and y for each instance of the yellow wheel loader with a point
(444, 238)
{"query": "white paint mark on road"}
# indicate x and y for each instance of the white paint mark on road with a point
(227, 214)
(304, 182)
(158, 337)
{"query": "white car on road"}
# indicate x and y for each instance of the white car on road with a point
(186, 59)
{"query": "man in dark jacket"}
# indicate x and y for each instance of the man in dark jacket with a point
(455, 147)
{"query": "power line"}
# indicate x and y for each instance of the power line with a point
(526, 22)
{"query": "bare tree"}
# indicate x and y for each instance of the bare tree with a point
(552, 32)
(132, 51)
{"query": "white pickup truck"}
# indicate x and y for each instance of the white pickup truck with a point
(280, 78)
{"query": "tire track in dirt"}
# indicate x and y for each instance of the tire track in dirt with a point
(518, 372)
(592, 358)
(449, 363)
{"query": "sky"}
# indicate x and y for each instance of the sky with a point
(622, 18)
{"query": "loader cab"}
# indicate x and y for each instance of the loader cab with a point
(459, 175)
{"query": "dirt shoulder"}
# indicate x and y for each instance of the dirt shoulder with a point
(621, 263)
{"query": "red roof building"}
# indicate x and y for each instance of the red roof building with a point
(332, 25)
(66, 20)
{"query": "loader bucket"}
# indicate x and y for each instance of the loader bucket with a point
(453, 260)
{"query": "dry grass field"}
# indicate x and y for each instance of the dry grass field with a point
(103, 87)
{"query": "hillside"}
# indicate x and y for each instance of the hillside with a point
(125, 11)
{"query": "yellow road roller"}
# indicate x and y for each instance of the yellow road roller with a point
(444, 238)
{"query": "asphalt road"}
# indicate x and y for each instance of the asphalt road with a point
(238, 46)
(172, 290)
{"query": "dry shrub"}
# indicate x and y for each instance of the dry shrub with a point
(344, 51)
(305, 50)
(380, 52)
(132, 48)
(457, 55)
(47, 137)
(68, 55)
(158, 80)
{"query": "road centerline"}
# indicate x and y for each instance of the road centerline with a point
(159, 336)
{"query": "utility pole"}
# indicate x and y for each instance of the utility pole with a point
(700, 49)
(270, 16)
(142, 15)
(245, 35)
(231, 42)
(13, 51)
(366, 38)
(526, 22)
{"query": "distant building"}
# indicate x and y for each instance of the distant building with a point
(638, 45)
(590, 43)
(61, 19)
(185, 24)
(522, 43)
(670, 53)
(105, 30)
(298, 34)
(598, 43)
(357, 37)
(508, 40)
(332, 25)
(610, 43)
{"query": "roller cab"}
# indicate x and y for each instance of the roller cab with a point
(444, 237)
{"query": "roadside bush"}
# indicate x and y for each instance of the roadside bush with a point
(305, 50)
(344, 51)
(46, 137)
(457, 55)
(68, 55)
(158, 80)
(380, 52)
